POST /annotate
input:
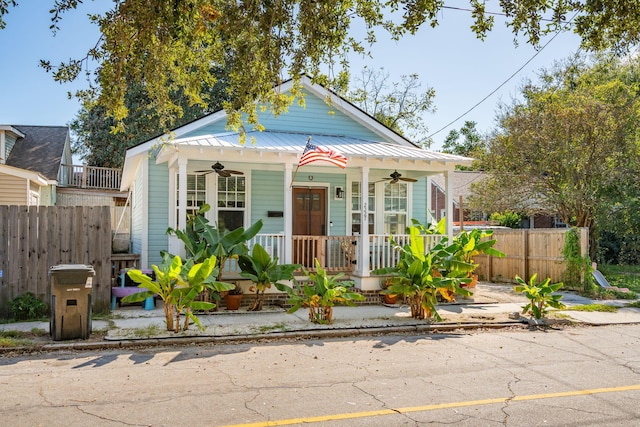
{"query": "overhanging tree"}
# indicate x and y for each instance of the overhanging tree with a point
(397, 105)
(570, 147)
(171, 45)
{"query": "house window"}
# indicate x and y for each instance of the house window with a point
(231, 202)
(196, 194)
(395, 208)
(356, 207)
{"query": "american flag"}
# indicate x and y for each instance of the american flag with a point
(314, 153)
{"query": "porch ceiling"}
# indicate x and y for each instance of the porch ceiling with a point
(288, 146)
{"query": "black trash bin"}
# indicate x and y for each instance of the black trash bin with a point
(71, 286)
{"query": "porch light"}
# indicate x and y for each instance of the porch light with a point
(339, 193)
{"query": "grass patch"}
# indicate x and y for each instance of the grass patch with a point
(622, 276)
(635, 304)
(148, 332)
(603, 308)
(275, 327)
(14, 339)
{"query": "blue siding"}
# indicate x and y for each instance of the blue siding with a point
(267, 195)
(316, 117)
(137, 219)
(158, 220)
(420, 203)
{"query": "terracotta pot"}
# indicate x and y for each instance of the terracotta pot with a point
(473, 283)
(233, 301)
(390, 298)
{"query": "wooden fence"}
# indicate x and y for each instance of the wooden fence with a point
(32, 239)
(529, 251)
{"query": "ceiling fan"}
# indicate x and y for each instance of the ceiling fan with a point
(397, 176)
(218, 168)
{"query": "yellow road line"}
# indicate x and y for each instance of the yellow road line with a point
(424, 408)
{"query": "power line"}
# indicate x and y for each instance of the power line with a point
(500, 86)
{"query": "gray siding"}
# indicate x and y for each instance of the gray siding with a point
(9, 142)
(158, 220)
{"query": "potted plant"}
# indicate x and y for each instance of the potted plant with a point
(414, 276)
(264, 271)
(468, 244)
(321, 294)
(233, 298)
(387, 296)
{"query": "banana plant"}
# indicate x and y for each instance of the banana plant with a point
(202, 240)
(263, 271)
(321, 294)
(540, 296)
(178, 285)
(417, 276)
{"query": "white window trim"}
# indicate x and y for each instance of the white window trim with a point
(212, 199)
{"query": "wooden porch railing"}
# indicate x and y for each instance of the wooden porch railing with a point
(83, 176)
(334, 253)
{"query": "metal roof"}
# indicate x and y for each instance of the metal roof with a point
(294, 143)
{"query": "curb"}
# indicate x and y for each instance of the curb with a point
(239, 339)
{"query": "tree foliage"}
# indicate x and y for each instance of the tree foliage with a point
(472, 143)
(98, 145)
(570, 147)
(397, 105)
(171, 45)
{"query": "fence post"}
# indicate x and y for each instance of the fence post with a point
(525, 253)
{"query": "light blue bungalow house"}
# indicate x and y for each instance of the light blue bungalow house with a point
(342, 217)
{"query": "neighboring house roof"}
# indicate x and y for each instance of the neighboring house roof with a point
(462, 181)
(34, 177)
(41, 150)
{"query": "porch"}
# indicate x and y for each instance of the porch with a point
(90, 177)
(336, 253)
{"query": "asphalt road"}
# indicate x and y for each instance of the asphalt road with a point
(576, 376)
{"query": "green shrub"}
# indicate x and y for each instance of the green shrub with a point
(507, 219)
(27, 307)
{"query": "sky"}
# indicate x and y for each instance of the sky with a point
(449, 58)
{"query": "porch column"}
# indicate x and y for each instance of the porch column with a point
(431, 217)
(288, 214)
(448, 185)
(363, 247)
(182, 194)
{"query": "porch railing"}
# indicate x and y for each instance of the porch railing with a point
(335, 253)
(83, 176)
(383, 254)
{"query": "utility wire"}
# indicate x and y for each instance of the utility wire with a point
(500, 86)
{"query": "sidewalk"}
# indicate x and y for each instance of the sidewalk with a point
(492, 306)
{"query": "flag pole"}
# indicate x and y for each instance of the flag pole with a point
(298, 167)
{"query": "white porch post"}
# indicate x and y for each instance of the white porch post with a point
(431, 217)
(288, 214)
(182, 194)
(363, 247)
(448, 185)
